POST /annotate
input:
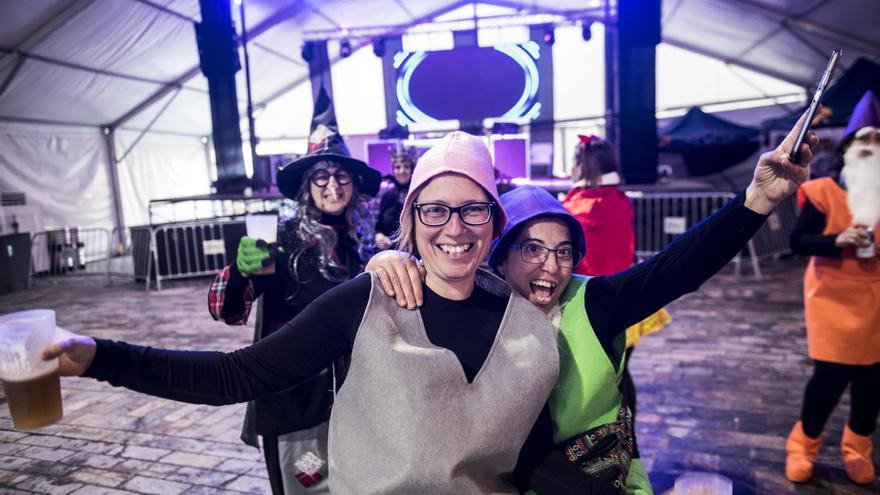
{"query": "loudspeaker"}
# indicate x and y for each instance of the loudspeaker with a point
(638, 34)
(215, 37)
(638, 22)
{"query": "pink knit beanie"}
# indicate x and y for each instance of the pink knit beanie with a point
(459, 153)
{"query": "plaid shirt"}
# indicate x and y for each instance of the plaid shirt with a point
(217, 296)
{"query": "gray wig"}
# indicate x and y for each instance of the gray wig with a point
(307, 239)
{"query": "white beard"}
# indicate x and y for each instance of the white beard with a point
(861, 175)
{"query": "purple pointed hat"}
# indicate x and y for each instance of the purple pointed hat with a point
(866, 113)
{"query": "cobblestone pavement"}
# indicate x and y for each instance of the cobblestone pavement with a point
(718, 391)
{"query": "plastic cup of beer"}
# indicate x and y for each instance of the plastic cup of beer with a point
(263, 226)
(33, 390)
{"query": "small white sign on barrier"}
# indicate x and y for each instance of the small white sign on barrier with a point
(774, 222)
(211, 247)
(674, 225)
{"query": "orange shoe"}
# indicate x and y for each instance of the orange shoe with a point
(802, 453)
(856, 451)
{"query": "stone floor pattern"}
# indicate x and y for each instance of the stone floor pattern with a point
(718, 391)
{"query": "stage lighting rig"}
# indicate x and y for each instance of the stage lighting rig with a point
(549, 36)
(344, 48)
(587, 29)
(306, 51)
(379, 47)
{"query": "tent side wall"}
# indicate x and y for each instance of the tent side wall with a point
(159, 166)
(64, 175)
(62, 170)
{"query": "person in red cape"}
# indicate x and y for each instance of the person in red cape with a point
(606, 215)
(842, 300)
(604, 211)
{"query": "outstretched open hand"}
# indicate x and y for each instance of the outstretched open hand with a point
(776, 177)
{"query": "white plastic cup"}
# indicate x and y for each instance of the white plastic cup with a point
(32, 386)
(703, 484)
(263, 226)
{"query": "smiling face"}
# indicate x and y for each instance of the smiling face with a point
(452, 252)
(402, 170)
(327, 193)
(541, 284)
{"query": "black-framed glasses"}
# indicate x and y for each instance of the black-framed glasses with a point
(321, 178)
(437, 214)
(536, 254)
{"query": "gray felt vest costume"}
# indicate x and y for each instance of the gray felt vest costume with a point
(406, 421)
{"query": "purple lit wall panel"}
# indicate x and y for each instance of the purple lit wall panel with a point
(379, 156)
(510, 157)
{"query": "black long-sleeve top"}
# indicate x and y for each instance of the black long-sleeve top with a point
(325, 330)
(807, 238)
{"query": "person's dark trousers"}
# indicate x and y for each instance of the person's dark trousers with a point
(273, 464)
(825, 387)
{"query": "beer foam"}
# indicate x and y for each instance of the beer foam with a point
(20, 347)
(32, 374)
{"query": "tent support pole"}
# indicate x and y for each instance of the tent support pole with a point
(58, 18)
(112, 164)
(727, 60)
(14, 72)
(282, 15)
(148, 127)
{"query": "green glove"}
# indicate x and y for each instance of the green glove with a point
(252, 255)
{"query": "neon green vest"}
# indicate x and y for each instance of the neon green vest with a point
(586, 394)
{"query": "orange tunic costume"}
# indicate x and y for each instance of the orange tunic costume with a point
(841, 296)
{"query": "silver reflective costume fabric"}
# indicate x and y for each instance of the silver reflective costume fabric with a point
(407, 421)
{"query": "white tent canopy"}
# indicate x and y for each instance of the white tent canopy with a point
(70, 69)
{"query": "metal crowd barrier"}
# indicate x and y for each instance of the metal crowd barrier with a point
(70, 252)
(121, 260)
(661, 216)
(182, 250)
(772, 240)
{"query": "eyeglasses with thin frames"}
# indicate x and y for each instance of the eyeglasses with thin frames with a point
(321, 178)
(536, 254)
(437, 214)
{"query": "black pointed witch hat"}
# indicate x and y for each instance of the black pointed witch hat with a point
(325, 144)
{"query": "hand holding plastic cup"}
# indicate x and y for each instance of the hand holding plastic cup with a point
(32, 386)
(263, 227)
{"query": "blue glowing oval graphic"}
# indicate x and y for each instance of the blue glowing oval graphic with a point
(468, 83)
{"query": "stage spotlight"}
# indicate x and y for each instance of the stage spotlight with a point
(379, 47)
(344, 48)
(586, 30)
(549, 36)
(306, 52)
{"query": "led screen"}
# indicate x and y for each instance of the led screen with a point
(468, 83)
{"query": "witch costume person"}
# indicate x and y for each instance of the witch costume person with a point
(326, 241)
